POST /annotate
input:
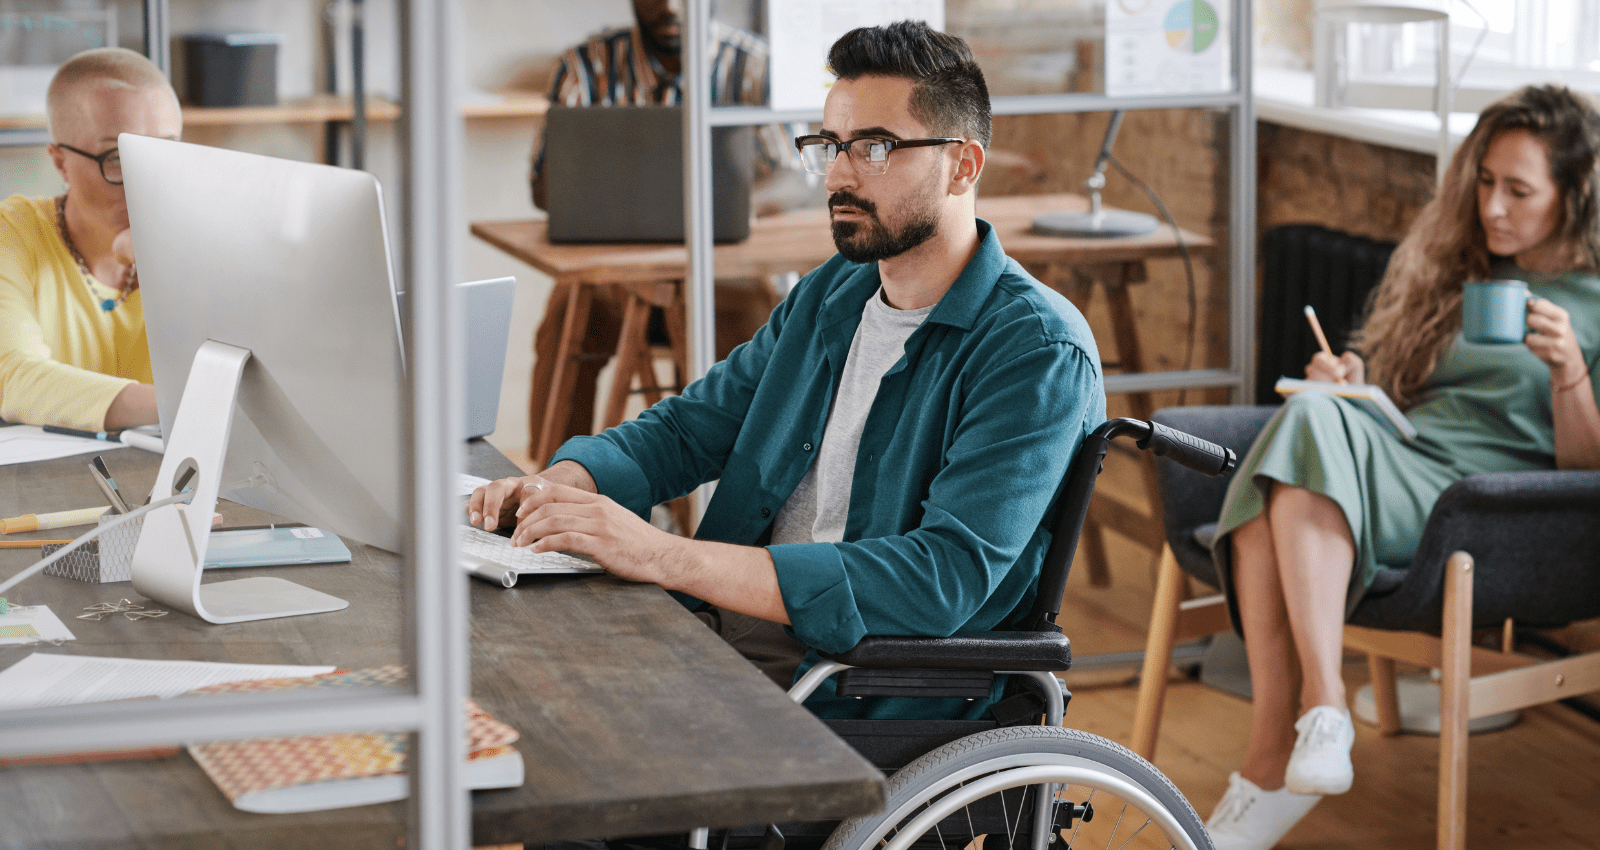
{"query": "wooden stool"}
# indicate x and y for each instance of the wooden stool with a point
(1077, 282)
(555, 367)
(557, 356)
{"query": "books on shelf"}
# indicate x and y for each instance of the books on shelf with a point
(1368, 397)
(314, 772)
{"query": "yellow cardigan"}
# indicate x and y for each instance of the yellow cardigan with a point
(62, 358)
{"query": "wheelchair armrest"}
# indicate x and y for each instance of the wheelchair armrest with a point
(1040, 651)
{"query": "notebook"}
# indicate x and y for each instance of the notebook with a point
(315, 772)
(615, 174)
(1368, 397)
(486, 316)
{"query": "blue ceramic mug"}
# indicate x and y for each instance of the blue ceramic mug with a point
(1494, 311)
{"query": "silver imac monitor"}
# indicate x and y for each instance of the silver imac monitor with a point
(276, 352)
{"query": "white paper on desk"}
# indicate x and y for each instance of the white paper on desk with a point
(44, 679)
(467, 483)
(29, 623)
(27, 443)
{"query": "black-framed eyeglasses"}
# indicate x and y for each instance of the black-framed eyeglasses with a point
(110, 163)
(869, 153)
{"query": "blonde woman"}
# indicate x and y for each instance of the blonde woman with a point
(1326, 494)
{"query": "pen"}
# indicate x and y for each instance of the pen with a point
(59, 519)
(1316, 328)
(108, 485)
(108, 436)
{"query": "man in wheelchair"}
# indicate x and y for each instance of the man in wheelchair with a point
(889, 449)
(891, 442)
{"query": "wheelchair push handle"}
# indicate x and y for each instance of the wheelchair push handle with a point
(1199, 455)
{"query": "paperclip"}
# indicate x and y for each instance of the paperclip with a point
(143, 615)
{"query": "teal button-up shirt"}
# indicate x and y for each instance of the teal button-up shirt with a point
(960, 460)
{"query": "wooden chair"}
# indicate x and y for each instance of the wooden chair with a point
(1498, 546)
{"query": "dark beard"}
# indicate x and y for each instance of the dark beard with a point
(871, 242)
(657, 46)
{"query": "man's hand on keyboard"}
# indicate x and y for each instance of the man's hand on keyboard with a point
(558, 510)
(494, 505)
(558, 517)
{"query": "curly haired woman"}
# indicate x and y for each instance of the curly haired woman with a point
(1326, 494)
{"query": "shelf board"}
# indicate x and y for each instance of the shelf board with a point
(321, 108)
(309, 110)
(514, 104)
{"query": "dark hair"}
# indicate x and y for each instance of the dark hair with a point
(948, 94)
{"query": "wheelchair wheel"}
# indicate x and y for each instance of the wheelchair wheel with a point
(988, 785)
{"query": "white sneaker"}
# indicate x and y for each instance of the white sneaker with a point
(1320, 763)
(1248, 818)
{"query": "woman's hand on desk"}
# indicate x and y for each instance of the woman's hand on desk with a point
(1346, 368)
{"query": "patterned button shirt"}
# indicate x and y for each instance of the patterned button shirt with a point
(615, 69)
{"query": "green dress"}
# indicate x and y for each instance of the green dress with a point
(1485, 408)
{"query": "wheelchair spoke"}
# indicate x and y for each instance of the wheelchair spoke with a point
(1135, 832)
(1005, 817)
(1079, 824)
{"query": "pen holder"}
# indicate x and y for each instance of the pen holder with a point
(102, 561)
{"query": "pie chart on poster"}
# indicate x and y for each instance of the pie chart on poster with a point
(1191, 26)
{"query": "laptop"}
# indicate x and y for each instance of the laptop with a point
(486, 320)
(615, 174)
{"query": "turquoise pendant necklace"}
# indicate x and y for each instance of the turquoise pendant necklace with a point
(130, 279)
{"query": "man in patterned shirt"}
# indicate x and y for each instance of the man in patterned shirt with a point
(641, 66)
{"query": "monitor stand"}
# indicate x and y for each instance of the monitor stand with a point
(171, 552)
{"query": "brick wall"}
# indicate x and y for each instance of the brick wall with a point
(1303, 176)
(1361, 188)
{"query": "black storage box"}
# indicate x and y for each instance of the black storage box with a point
(231, 68)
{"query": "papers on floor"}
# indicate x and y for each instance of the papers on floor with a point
(45, 679)
(28, 443)
(30, 624)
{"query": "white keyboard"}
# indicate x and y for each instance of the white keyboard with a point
(492, 558)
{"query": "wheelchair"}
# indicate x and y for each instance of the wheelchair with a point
(1010, 783)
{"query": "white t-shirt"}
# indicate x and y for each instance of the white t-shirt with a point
(817, 509)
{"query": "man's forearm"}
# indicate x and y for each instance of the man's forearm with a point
(737, 578)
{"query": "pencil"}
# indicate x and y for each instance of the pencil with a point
(29, 544)
(1316, 328)
(59, 519)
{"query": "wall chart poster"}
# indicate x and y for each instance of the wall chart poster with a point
(801, 31)
(1163, 47)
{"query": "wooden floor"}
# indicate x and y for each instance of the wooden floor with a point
(1533, 785)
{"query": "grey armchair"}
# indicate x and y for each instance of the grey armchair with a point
(1523, 546)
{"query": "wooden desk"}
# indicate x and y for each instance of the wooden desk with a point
(635, 718)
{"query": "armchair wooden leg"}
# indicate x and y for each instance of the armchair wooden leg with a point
(1157, 654)
(1384, 696)
(1455, 689)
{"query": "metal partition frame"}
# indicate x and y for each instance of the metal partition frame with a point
(435, 643)
(699, 119)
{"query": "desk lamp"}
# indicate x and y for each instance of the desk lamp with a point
(1098, 221)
